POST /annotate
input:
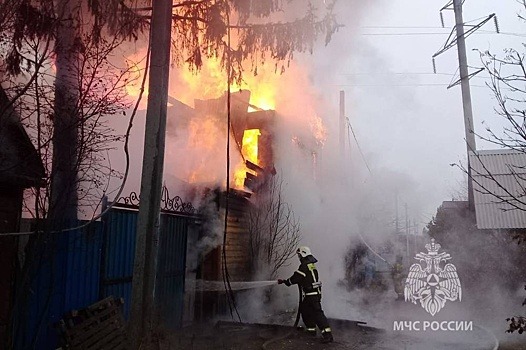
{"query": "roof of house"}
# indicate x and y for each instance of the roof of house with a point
(499, 188)
(20, 164)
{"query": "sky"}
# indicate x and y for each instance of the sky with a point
(405, 119)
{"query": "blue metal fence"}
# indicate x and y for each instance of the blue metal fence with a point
(119, 250)
(77, 268)
(66, 277)
(120, 227)
(171, 269)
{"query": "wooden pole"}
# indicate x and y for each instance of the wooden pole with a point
(142, 321)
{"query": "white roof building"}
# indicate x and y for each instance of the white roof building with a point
(499, 184)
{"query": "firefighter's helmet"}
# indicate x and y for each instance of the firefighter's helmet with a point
(304, 251)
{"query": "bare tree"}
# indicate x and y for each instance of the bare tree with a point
(274, 232)
(98, 87)
(507, 74)
(101, 97)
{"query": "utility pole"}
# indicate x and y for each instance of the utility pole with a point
(406, 231)
(466, 93)
(142, 320)
(342, 123)
(397, 226)
(458, 37)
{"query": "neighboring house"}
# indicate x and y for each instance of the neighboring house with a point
(20, 168)
(499, 184)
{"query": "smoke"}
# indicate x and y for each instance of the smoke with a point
(210, 234)
(363, 190)
(336, 197)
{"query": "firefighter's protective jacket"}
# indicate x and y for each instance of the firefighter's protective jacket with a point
(306, 276)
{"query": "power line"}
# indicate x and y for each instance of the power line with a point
(349, 128)
(401, 85)
(482, 32)
(400, 34)
(404, 73)
(401, 27)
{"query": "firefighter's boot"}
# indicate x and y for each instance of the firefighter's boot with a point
(311, 332)
(327, 337)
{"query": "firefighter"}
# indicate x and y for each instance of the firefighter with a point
(310, 307)
(397, 273)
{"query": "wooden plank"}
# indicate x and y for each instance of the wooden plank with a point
(237, 259)
(96, 326)
(236, 254)
(83, 327)
(116, 343)
(236, 245)
(101, 329)
(105, 338)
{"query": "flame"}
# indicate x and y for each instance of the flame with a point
(201, 138)
(202, 144)
(250, 152)
(250, 145)
(211, 82)
(319, 130)
(136, 65)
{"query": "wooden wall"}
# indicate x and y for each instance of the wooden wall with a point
(237, 240)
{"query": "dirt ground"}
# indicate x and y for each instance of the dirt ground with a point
(348, 335)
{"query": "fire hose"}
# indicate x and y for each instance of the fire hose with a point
(296, 322)
(300, 297)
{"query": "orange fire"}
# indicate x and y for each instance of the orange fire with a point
(318, 130)
(136, 65)
(210, 82)
(250, 152)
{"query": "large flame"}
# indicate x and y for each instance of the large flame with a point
(250, 152)
(136, 65)
(211, 82)
(201, 160)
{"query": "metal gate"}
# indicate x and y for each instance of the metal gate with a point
(118, 251)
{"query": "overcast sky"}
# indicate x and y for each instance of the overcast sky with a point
(405, 119)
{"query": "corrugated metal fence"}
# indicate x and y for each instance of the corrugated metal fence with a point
(120, 227)
(66, 276)
(77, 268)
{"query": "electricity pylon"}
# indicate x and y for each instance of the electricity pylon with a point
(458, 37)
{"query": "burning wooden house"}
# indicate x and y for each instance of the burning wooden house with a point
(252, 163)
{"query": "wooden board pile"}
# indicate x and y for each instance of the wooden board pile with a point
(99, 326)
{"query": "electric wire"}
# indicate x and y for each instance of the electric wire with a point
(405, 73)
(126, 166)
(437, 33)
(403, 85)
(350, 129)
(226, 277)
